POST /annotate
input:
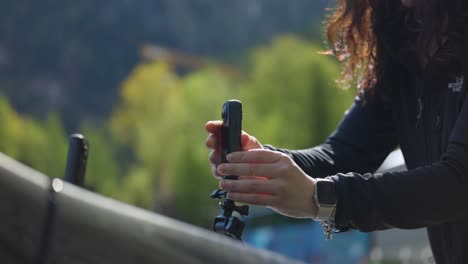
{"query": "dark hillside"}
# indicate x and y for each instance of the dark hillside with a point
(70, 56)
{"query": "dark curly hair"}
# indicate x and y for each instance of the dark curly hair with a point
(370, 36)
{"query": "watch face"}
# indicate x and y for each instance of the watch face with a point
(326, 192)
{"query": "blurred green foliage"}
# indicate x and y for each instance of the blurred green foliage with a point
(291, 98)
(41, 145)
(151, 152)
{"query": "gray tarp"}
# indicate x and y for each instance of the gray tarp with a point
(89, 228)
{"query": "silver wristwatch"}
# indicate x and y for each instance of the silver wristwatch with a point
(325, 199)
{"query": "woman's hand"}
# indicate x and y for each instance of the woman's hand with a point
(271, 179)
(213, 142)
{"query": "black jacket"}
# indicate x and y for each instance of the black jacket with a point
(427, 116)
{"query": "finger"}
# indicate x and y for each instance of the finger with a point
(249, 142)
(211, 141)
(215, 172)
(215, 157)
(249, 169)
(258, 199)
(249, 186)
(248, 178)
(255, 156)
(213, 126)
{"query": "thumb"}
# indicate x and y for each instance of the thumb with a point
(245, 140)
(249, 142)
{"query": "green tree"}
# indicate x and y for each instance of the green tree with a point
(43, 146)
(202, 95)
(103, 172)
(9, 128)
(40, 146)
(57, 144)
(291, 98)
(145, 120)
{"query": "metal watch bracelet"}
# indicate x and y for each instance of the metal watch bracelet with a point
(329, 225)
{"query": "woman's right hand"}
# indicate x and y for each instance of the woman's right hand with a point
(213, 142)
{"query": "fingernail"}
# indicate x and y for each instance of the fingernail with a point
(221, 169)
(229, 157)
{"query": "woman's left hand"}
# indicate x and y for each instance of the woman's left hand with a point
(271, 179)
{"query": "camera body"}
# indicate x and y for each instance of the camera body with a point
(231, 130)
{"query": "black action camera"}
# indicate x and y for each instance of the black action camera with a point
(230, 142)
(231, 130)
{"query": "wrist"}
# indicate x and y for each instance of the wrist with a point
(314, 206)
(308, 205)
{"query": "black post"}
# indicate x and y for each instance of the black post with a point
(75, 172)
(77, 158)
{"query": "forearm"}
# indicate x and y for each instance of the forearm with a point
(417, 198)
(335, 156)
(317, 162)
(361, 142)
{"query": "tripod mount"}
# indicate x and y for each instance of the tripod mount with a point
(225, 222)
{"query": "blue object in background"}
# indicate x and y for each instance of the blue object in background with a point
(304, 239)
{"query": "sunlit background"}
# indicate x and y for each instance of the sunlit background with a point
(139, 78)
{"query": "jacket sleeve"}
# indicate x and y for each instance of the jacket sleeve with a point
(416, 198)
(362, 141)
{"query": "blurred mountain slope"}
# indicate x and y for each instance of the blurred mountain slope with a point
(70, 56)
